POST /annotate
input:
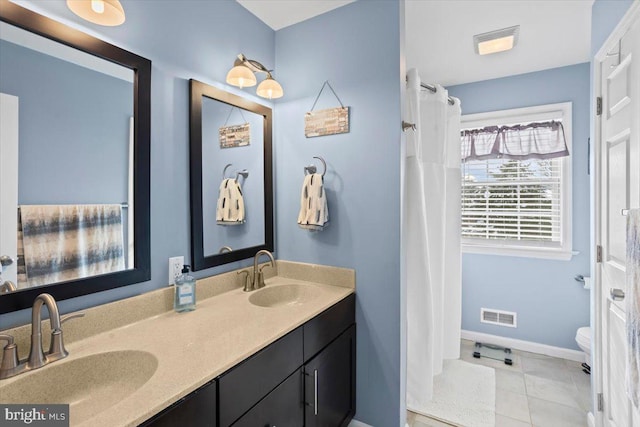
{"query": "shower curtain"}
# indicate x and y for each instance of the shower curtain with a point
(431, 235)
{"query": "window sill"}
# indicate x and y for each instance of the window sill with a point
(542, 253)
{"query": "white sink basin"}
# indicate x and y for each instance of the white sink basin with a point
(89, 384)
(283, 295)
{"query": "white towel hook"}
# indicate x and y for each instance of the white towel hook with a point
(312, 168)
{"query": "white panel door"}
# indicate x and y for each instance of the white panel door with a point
(9, 184)
(620, 190)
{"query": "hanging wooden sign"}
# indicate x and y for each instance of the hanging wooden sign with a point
(326, 122)
(331, 121)
(234, 136)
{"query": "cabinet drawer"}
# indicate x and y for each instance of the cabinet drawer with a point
(247, 383)
(196, 410)
(283, 407)
(324, 328)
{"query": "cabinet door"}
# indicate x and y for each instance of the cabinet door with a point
(196, 410)
(330, 383)
(283, 407)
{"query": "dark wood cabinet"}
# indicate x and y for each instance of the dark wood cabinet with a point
(306, 378)
(244, 385)
(198, 409)
(330, 389)
(326, 326)
(283, 407)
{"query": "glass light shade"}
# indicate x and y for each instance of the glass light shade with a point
(241, 76)
(102, 12)
(97, 6)
(269, 88)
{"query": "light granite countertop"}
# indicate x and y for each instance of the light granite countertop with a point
(195, 347)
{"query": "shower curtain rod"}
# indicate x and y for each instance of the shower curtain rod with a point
(433, 89)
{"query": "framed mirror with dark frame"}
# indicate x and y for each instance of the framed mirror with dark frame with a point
(24, 24)
(231, 176)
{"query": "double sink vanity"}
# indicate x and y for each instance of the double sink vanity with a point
(283, 355)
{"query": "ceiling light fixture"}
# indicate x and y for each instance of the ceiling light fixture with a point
(243, 75)
(102, 12)
(496, 41)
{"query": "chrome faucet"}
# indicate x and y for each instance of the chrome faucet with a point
(11, 366)
(258, 275)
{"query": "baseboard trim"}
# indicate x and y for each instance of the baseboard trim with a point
(532, 347)
(356, 423)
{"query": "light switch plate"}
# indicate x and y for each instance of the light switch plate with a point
(175, 268)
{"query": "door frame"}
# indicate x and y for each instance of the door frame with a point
(632, 15)
(9, 116)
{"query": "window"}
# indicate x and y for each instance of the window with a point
(517, 204)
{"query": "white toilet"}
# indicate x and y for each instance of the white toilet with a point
(583, 338)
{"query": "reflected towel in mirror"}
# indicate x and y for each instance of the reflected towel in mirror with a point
(67, 242)
(314, 213)
(230, 210)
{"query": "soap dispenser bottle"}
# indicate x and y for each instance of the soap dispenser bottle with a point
(185, 295)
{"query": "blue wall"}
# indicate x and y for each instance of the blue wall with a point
(605, 15)
(63, 129)
(550, 304)
(356, 48)
(202, 43)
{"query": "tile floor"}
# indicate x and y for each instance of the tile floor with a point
(536, 391)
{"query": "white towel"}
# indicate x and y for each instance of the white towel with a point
(230, 210)
(314, 214)
(633, 306)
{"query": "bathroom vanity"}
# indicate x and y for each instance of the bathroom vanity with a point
(283, 355)
(305, 378)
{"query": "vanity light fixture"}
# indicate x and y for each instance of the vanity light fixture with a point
(496, 41)
(102, 12)
(243, 75)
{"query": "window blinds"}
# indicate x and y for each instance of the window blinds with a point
(511, 199)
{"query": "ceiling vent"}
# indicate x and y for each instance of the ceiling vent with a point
(496, 41)
(498, 317)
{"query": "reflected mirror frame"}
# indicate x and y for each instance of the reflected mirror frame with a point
(197, 91)
(56, 31)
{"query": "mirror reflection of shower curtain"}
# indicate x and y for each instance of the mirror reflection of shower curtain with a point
(431, 237)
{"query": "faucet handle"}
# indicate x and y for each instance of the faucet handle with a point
(56, 349)
(71, 316)
(247, 281)
(8, 338)
(9, 357)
